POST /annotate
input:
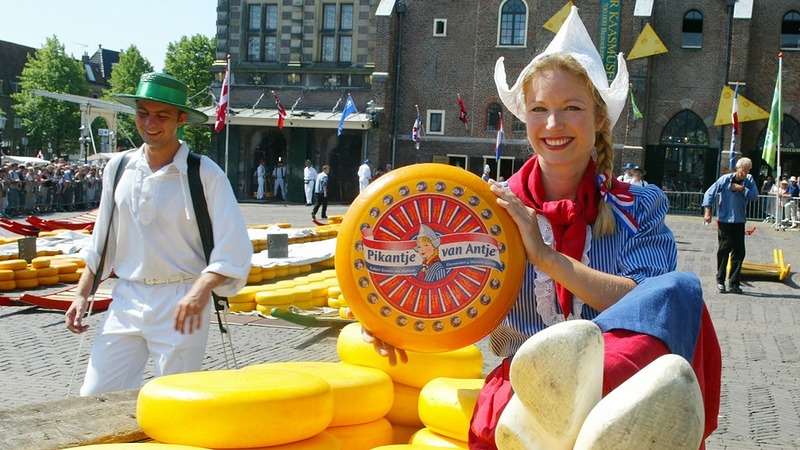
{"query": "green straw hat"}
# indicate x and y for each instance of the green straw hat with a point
(166, 89)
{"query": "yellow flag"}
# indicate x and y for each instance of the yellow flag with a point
(555, 22)
(747, 110)
(647, 44)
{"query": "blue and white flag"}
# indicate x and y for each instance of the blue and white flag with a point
(349, 108)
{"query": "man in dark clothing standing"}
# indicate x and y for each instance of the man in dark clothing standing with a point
(734, 190)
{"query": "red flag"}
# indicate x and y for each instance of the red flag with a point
(281, 110)
(222, 107)
(462, 115)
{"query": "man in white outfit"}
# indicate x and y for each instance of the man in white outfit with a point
(364, 175)
(160, 306)
(309, 177)
(279, 174)
(261, 175)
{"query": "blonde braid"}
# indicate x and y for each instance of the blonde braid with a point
(605, 222)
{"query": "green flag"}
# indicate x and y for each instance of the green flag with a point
(772, 138)
(636, 113)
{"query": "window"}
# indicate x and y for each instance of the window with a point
(790, 31)
(336, 32)
(262, 32)
(692, 30)
(519, 125)
(513, 23)
(435, 122)
(492, 114)
(685, 140)
(440, 27)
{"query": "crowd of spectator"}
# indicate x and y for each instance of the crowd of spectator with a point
(60, 185)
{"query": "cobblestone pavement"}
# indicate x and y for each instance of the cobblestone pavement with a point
(758, 332)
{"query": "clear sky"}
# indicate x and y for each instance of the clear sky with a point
(83, 25)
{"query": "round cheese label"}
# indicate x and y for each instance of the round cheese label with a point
(427, 260)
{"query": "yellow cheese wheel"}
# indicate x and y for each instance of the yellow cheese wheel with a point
(48, 281)
(254, 278)
(322, 441)
(46, 272)
(64, 266)
(246, 294)
(334, 303)
(267, 273)
(424, 258)
(335, 290)
(302, 293)
(255, 270)
(466, 362)
(68, 258)
(229, 408)
(275, 297)
(14, 264)
(342, 300)
(428, 437)
(294, 270)
(242, 307)
(6, 274)
(365, 436)
(405, 409)
(402, 434)
(446, 405)
(305, 268)
(41, 261)
(69, 277)
(281, 270)
(8, 285)
(26, 283)
(288, 283)
(24, 274)
(360, 394)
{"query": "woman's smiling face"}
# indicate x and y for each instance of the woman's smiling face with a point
(561, 120)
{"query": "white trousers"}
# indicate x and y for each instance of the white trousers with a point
(260, 193)
(362, 184)
(139, 324)
(309, 192)
(279, 185)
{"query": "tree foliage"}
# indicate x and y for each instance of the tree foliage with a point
(124, 80)
(189, 60)
(48, 120)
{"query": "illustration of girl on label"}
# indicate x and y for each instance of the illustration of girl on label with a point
(432, 269)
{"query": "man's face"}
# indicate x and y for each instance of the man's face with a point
(741, 172)
(158, 123)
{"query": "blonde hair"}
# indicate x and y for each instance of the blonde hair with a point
(605, 223)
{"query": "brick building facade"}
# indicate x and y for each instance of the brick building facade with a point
(400, 57)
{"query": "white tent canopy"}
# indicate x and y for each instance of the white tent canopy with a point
(25, 160)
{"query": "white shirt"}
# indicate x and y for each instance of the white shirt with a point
(309, 174)
(261, 171)
(364, 172)
(154, 232)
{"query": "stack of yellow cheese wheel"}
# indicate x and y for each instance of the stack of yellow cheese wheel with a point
(446, 406)
(45, 274)
(235, 408)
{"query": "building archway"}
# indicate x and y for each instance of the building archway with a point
(683, 161)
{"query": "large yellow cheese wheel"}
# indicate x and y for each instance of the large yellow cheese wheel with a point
(402, 434)
(428, 437)
(24, 274)
(6, 274)
(8, 285)
(48, 281)
(322, 441)
(446, 405)
(230, 408)
(246, 294)
(365, 436)
(27, 283)
(254, 278)
(41, 261)
(466, 362)
(405, 409)
(242, 307)
(64, 266)
(69, 277)
(427, 259)
(360, 394)
(275, 297)
(267, 273)
(14, 264)
(46, 272)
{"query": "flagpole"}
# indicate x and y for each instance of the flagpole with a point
(778, 148)
(227, 118)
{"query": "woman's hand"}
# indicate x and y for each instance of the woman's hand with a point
(525, 218)
(384, 349)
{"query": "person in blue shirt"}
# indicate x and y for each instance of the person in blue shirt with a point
(734, 191)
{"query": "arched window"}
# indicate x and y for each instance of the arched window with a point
(492, 114)
(790, 30)
(692, 30)
(685, 141)
(513, 23)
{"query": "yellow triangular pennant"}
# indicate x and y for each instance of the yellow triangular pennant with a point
(555, 22)
(647, 44)
(747, 110)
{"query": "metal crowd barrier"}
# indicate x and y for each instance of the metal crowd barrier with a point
(689, 204)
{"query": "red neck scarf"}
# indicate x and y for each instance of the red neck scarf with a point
(568, 218)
